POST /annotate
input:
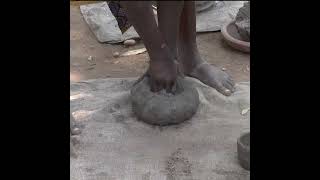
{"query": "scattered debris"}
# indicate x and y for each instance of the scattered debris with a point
(248, 68)
(116, 62)
(129, 42)
(116, 54)
(223, 69)
(245, 111)
(90, 68)
(75, 64)
(90, 58)
(154, 9)
(134, 52)
(75, 131)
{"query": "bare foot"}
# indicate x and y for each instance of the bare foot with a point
(210, 75)
(214, 77)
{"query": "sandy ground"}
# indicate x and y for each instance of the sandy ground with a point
(83, 44)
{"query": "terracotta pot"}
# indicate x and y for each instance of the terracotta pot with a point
(231, 35)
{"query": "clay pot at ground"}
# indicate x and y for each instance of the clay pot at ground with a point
(243, 147)
(232, 37)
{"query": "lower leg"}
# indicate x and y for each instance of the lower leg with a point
(187, 37)
(162, 70)
(190, 57)
(169, 20)
(141, 16)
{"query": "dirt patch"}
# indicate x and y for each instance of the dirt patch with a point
(178, 167)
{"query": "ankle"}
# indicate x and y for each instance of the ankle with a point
(190, 61)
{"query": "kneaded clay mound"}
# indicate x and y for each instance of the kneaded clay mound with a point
(163, 108)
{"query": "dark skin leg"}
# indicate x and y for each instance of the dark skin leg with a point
(190, 58)
(169, 14)
(162, 69)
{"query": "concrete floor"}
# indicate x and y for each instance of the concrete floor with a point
(84, 44)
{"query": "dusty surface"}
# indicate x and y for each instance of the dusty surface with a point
(115, 145)
(83, 44)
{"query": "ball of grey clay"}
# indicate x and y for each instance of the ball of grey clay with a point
(163, 108)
